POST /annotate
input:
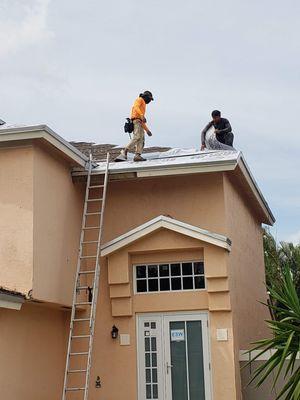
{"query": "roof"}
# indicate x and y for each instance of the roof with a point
(99, 151)
(163, 222)
(10, 133)
(180, 159)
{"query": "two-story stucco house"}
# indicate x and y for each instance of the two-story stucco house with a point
(182, 271)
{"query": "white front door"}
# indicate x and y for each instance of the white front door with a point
(173, 357)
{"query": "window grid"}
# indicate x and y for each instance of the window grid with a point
(169, 277)
(151, 372)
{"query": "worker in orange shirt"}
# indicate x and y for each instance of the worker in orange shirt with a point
(139, 122)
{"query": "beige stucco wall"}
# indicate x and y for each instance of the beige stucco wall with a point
(246, 270)
(247, 273)
(195, 199)
(58, 204)
(32, 352)
(16, 221)
(41, 210)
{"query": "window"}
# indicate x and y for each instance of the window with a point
(168, 277)
(151, 369)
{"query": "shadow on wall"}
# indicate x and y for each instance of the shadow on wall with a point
(265, 391)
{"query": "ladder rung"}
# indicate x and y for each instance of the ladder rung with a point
(88, 257)
(91, 227)
(73, 389)
(81, 319)
(80, 336)
(100, 199)
(74, 371)
(83, 303)
(82, 287)
(96, 186)
(82, 353)
(86, 272)
(93, 213)
(89, 241)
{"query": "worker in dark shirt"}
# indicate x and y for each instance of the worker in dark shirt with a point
(222, 127)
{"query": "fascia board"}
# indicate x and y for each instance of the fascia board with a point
(255, 190)
(43, 132)
(211, 238)
(187, 169)
(167, 223)
(167, 170)
(130, 237)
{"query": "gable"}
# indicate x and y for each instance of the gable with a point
(166, 223)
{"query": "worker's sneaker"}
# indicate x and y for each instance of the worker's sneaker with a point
(123, 153)
(138, 157)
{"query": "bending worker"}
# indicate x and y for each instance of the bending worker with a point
(139, 122)
(223, 130)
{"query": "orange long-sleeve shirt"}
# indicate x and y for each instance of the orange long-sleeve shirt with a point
(139, 110)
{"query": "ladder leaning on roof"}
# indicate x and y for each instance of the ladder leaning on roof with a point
(78, 361)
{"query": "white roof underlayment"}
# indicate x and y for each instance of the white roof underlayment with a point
(172, 158)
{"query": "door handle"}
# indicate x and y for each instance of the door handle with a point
(169, 366)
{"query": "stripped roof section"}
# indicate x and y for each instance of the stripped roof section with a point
(99, 151)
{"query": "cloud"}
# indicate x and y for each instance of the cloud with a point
(23, 25)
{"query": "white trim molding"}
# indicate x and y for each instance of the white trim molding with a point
(246, 356)
(163, 222)
(43, 132)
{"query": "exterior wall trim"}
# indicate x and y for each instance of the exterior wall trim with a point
(255, 189)
(46, 133)
(246, 357)
(166, 223)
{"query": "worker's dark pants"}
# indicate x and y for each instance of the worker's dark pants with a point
(226, 138)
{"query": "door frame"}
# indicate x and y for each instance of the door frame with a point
(165, 318)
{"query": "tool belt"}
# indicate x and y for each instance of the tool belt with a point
(128, 126)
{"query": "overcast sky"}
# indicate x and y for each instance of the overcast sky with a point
(78, 65)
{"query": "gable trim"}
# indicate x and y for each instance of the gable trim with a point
(45, 133)
(163, 222)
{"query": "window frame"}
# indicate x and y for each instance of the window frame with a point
(135, 265)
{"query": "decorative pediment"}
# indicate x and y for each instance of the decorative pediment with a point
(163, 222)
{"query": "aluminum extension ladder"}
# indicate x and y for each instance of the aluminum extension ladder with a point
(80, 344)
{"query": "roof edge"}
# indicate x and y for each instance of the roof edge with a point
(168, 223)
(43, 132)
(255, 189)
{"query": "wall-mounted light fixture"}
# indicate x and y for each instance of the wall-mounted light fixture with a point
(114, 332)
